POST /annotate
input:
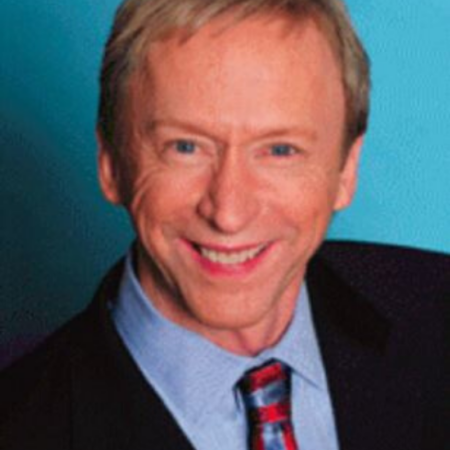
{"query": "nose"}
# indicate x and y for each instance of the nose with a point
(230, 201)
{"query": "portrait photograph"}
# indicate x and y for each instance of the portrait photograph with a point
(225, 224)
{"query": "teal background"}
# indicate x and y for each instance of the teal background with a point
(57, 234)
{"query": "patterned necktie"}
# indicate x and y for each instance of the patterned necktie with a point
(266, 394)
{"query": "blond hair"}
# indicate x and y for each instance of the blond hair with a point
(138, 23)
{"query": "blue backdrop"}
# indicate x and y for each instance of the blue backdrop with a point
(57, 234)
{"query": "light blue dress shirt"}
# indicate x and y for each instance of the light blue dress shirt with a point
(197, 379)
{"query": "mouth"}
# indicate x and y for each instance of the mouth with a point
(229, 259)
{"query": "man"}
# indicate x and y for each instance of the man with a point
(231, 132)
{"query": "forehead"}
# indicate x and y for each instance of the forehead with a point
(231, 70)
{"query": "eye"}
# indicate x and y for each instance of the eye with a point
(184, 146)
(282, 150)
(187, 151)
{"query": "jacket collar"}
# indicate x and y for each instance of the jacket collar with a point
(115, 404)
(354, 340)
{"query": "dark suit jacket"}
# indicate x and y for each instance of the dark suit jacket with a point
(379, 313)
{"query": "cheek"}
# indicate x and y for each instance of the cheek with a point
(162, 201)
(308, 195)
(305, 212)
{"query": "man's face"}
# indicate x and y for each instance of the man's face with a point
(236, 167)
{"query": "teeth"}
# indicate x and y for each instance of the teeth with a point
(230, 258)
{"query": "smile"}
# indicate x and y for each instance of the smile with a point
(220, 260)
(230, 257)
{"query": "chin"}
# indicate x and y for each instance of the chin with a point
(232, 321)
(227, 313)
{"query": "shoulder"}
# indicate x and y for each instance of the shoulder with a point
(35, 389)
(51, 355)
(372, 268)
(79, 384)
(39, 384)
(381, 313)
(394, 297)
(408, 288)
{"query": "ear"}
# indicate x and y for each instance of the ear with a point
(107, 172)
(349, 176)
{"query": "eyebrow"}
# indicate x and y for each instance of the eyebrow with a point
(153, 124)
(308, 133)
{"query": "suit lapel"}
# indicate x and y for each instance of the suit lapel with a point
(370, 406)
(113, 407)
(118, 412)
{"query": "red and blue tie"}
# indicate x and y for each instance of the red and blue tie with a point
(266, 394)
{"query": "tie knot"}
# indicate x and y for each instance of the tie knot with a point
(266, 393)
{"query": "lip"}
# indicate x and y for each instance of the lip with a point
(218, 269)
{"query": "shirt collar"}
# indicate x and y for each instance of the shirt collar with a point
(191, 373)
